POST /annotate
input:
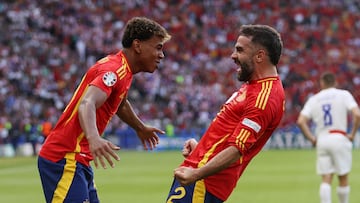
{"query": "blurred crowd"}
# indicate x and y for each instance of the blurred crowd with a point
(46, 46)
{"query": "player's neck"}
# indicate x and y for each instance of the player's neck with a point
(264, 72)
(131, 59)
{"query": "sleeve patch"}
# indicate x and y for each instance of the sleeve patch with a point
(109, 79)
(251, 124)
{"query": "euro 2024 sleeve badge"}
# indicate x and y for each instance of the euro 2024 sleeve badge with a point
(109, 79)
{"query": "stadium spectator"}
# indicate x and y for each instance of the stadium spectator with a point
(64, 159)
(242, 127)
(328, 109)
(45, 47)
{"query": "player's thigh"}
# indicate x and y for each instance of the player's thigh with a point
(342, 156)
(324, 164)
(64, 182)
(50, 174)
(82, 188)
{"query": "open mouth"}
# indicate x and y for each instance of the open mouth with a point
(238, 66)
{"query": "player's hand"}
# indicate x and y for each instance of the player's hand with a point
(188, 147)
(148, 137)
(102, 150)
(185, 175)
(313, 142)
(351, 138)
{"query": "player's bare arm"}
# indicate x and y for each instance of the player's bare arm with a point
(356, 122)
(303, 125)
(147, 134)
(224, 159)
(100, 148)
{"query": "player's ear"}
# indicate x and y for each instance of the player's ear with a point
(137, 46)
(260, 56)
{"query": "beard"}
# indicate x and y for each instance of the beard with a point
(245, 72)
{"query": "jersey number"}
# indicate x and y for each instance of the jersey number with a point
(327, 114)
(178, 196)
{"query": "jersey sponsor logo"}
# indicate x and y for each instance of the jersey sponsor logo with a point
(251, 124)
(109, 79)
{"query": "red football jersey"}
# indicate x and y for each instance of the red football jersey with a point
(246, 120)
(112, 75)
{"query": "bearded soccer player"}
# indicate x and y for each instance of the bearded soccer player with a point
(64, 160)
(244, 124)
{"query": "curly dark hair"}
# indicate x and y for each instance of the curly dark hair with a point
(142, 28)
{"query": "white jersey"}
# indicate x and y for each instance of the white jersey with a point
(328, 109)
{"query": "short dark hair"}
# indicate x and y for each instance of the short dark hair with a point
(267, 37)
(328, 79)
(142, 28)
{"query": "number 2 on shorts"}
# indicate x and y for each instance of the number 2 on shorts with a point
(177, 196)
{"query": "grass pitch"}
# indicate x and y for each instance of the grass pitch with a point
(274, 176)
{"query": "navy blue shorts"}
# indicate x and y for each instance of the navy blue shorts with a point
(67, 181)
(194, 193)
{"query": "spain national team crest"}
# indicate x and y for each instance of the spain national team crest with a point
(109, 79)
(241, 97)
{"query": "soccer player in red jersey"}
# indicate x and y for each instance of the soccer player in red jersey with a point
(63, 162)
(244, 124)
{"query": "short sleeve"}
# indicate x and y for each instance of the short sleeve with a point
(105, 81)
